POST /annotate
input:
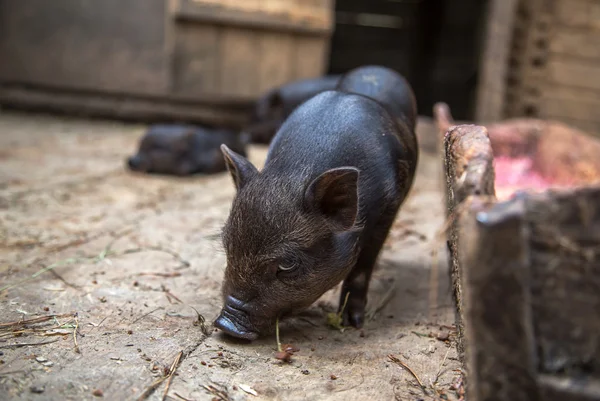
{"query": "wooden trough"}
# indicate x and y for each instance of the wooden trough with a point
(526, 270)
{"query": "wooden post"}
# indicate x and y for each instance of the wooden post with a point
(494, 60)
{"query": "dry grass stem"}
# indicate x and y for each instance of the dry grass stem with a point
(150, 389)
(75, 335)
(407, 368)
(172, 370)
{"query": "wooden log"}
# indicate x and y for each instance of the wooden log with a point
(127, 108)
(469, 172)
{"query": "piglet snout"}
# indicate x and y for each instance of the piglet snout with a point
(233, 320)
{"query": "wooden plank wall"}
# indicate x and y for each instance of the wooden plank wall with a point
(243, 49)
(555, 71)
(573, 76)
(80, 45)
(192, 60)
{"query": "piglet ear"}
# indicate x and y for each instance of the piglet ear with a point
(239, 167)
(334, 194)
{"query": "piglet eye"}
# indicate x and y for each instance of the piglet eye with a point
(287, 266)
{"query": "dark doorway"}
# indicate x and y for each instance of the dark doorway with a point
(434, 43)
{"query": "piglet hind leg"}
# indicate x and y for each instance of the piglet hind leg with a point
(355, 287)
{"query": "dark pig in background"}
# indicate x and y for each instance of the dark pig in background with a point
(389, 88)
(276, 105)
(320, 210)
(184, 150)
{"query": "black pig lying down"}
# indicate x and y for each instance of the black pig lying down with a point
(184, 150)
(336, 174)
(276, 105)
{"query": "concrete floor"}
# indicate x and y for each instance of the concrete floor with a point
(136, 256)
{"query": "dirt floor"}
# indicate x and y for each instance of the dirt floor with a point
(124, 261)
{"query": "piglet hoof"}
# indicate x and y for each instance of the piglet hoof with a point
(354, 312)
